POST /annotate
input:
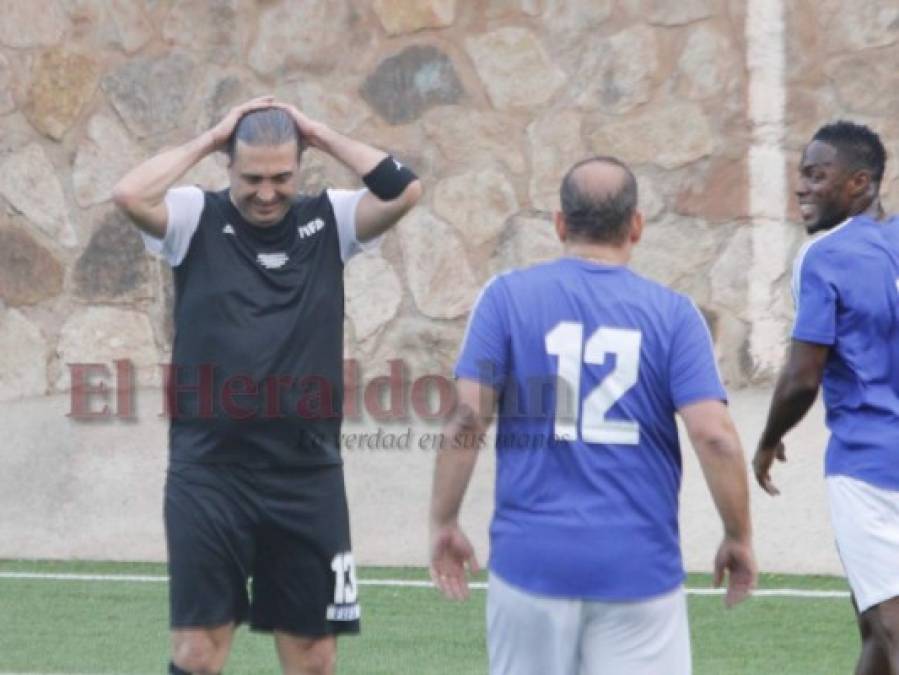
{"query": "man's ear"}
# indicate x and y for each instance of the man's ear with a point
(561, 226)
(860, 183)
(637, 223)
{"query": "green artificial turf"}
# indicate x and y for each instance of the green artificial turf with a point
(66, 626)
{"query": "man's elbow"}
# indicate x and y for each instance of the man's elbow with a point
(411, 195)
(123, 198)
(718, 438)
(415, 190)
(466, 427)
(804, 384)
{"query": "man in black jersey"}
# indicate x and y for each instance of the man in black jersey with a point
(255, 486)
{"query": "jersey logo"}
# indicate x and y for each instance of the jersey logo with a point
(272, 261)
(227, 229)
(310, 228)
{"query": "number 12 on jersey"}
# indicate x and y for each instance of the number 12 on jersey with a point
(566, 341)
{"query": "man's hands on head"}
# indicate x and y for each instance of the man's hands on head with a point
(312, 132)
(221, 132)
(141, 192)
(762, 462)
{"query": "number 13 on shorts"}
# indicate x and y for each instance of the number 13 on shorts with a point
(566, 341)
(345, 607)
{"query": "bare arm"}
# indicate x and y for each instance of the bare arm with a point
(795, 392)
(720, 455)
(141, 192)
(373, 216)
(463, 435)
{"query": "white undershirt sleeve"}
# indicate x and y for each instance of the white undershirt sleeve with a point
(344, 203)
(184, 206)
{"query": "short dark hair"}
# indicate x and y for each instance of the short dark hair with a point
(599, 216)
(856, 145)
(269, 126)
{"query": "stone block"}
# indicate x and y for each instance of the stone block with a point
(437, 271)
(106, 334)
(29, 273)
(556, 144)
(667, 13)
(477, 204)
(529, 238)
(408, 16)
(677, 134)
(407, 84)
(151, 93)
(292, 36)
(104, 155)
(610, 78)
(114, 266)
(514, 67)
(26, 26)
(373, 294)
(62, 82)
(29, 183)
(212, 28)
(470, 138)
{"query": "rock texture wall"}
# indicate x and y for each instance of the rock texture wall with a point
(490, 101)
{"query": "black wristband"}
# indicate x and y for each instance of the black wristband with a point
(175, 670)
(388, 179)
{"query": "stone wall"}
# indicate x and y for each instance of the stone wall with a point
(489, 100)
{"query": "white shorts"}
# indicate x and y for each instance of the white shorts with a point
(531, 634)
(865, 523)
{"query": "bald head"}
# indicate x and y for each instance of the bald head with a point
(599, 198)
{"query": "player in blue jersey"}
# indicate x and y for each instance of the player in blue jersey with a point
(587, 364)
(846, 335)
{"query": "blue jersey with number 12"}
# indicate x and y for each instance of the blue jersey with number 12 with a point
(591, 362)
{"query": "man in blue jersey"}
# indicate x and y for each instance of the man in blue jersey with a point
(846, 334)
(587, 363)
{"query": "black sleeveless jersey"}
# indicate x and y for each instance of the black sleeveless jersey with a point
(257, 363)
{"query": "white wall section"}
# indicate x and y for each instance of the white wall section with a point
(766, 61)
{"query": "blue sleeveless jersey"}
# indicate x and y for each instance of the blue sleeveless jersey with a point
(591, 362)
(845, 289)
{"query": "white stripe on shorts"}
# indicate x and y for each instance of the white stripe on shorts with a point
(865, 522)
(531, 634)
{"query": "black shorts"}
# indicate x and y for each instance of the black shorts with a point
(286, 532)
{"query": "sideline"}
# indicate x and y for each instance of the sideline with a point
(398, 583)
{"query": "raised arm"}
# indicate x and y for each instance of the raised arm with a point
(795, 392)
(451, 552)
(720, 454)
(393, 189)
(141, 192)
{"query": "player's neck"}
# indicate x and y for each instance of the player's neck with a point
(607, 255)
(874, 211)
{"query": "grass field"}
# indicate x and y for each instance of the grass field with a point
(116, 626)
